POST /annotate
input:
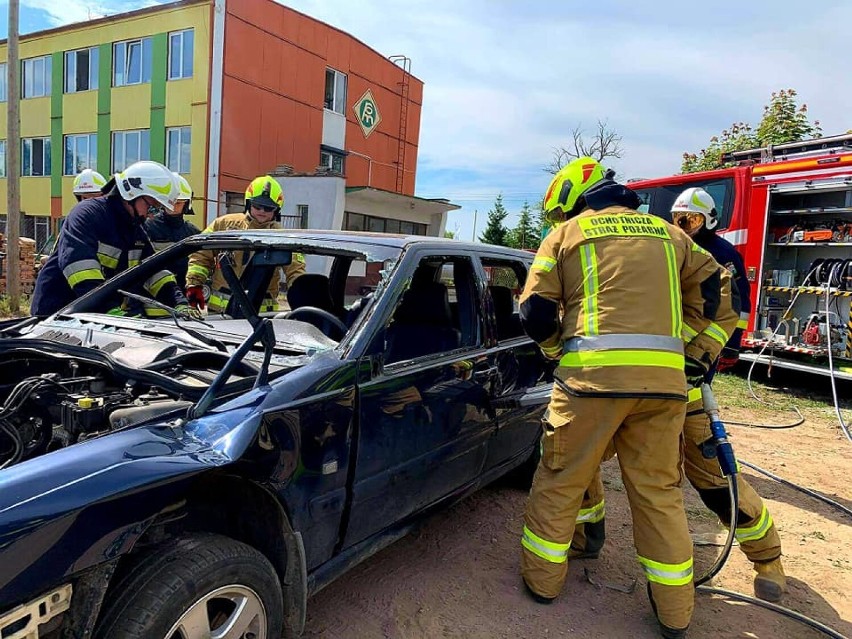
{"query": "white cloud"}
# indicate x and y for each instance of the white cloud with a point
(61, 12)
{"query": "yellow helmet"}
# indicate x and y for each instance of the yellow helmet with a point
(264, 191)
(572, 180)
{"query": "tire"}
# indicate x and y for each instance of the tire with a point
(185, 583)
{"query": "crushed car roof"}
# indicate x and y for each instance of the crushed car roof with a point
(348, 238)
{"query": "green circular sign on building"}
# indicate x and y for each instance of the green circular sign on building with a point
(367, 113)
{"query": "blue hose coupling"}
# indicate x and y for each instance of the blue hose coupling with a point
(724, 450)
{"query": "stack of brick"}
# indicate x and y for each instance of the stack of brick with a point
(27, 264)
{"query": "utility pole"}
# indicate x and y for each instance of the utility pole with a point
(473, 238)
(13, 164)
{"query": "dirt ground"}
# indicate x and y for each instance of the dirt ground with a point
(458, 575)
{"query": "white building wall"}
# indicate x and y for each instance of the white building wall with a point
(324, 196)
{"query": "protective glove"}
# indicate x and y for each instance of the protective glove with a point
(195, 296)
(695, 372)
(117, 311)
(186, 309)
(727, 359)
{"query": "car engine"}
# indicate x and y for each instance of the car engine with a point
(56, 402)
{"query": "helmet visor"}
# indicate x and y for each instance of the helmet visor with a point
(689, 222)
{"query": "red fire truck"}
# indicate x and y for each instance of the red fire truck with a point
(788, 210)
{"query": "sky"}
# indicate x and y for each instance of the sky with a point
(507, 80)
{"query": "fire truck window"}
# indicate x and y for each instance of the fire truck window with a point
(722, 192)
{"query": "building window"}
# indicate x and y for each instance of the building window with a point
(35, 156)
(131, 62)
(180, 54)
(359, 222)
(178, 142)
(302, 212)
(81, 70)
(335, 91)
(332, 161)
(129, 147)
(2, 158)
(81, 152)
(36, 77)
(3, 77)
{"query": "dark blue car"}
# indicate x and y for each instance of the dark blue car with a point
(187, 478)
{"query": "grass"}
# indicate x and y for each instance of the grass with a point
(6, 309)
(783, 391)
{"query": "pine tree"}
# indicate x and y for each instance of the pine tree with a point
(495, 231)
(526, 235)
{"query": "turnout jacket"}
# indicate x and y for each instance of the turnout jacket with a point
(727, 255)
(99, 239)
(164, 230)
(620, 297)
(203, 264)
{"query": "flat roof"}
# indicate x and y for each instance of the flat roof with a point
(371, 193)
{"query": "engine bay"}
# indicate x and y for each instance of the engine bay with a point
(69, 380)
(51, 403)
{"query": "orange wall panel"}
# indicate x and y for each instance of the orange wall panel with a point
(273, 91)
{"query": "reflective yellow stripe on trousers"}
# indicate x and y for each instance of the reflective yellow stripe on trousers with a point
(592, 515)
(667, 574)
(548, 550)
(758, 531)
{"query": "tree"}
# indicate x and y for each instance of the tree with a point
(783, 121)
(526, 235)
(737, 138)
(603, 143)
(495, 231)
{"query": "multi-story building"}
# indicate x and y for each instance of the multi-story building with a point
(220, 91)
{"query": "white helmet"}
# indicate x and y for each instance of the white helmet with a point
(88, 181)
(695, 201)
(184, 188)
(151, 179)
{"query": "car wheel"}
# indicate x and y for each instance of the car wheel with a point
(203, 586)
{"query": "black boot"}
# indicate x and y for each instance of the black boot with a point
(665, 631)
(539, 599)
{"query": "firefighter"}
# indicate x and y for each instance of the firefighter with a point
(263, 202)
(625, 284)
(104, 236)
(166, 228)
(88, 184)
(695, 212)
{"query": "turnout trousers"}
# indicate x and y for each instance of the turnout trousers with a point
(646, 434)
(755, 531)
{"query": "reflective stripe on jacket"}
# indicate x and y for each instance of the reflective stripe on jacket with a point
(203, 263)
(627, 283)
(98, 240)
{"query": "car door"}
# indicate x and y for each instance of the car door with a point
(424, 414)
(521, 388)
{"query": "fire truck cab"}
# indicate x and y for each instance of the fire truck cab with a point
(788, 210)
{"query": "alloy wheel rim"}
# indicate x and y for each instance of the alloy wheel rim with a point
(229, 612)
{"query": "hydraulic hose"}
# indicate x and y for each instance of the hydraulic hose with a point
(792, 614)
(733, 492)
(728, 466)
(807, 491)
(843, 425)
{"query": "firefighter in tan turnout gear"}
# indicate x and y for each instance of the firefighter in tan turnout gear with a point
(264, 199)
(695, 212)
(608, 295)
